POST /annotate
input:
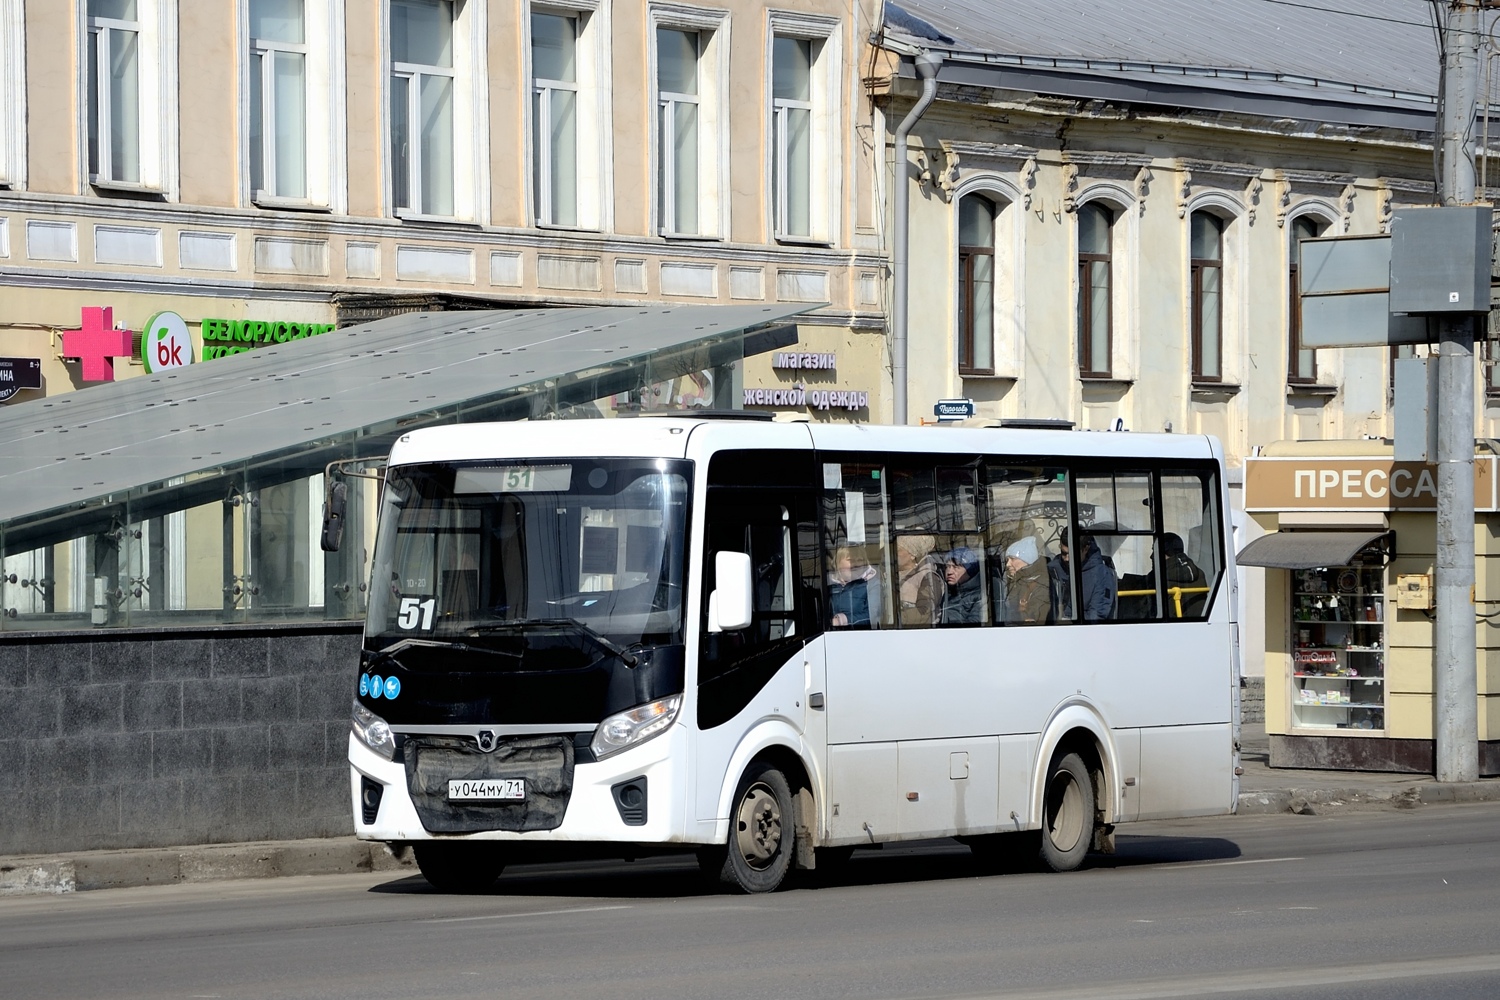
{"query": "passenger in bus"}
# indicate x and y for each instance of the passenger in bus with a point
(963, 598)
(921, 581)
(853, 591)
(1096, 578)
(1181, 574)
(1028, 586)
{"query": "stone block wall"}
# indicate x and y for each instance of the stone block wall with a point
(1253, 699)
(135, 739)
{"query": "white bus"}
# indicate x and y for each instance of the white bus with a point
(775, 642)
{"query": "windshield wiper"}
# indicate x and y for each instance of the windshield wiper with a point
(389, 652)
(570, 624)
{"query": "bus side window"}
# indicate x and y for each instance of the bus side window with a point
(1187, 549)
(1120, 523)
(1026, 534)
(857, 554)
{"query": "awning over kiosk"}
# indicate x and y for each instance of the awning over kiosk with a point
(1313, 549)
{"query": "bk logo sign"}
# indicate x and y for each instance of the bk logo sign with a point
(165, 344)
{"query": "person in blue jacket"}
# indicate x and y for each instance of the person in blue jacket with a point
(1097, 579)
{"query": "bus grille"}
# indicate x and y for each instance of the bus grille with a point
(545, 763)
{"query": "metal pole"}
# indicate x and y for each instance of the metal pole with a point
(927, 66)
(1455, 682)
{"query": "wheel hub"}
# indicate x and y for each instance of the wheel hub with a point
(758, 833)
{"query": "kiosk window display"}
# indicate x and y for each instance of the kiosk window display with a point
(1338, 647)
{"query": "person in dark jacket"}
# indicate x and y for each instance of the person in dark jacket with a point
(963, 600)
(1096, 577)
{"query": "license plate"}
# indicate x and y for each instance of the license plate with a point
(487, 790)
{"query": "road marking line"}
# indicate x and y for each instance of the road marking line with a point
(1225, 864)
(513, 916)
(1259, 980)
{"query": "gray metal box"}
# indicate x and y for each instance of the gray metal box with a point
(1440, 260)
(1416, 410)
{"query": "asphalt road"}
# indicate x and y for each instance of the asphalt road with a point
(1369, 905)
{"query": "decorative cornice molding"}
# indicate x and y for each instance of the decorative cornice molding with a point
(1143, 179)
(1346, 204)
(1007, 158)
(1393, 191)
(1085, 165)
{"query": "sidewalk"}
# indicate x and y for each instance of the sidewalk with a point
(1266, 790)
(1262, 791)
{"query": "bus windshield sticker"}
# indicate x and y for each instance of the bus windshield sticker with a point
(415, 611)
(833, 475)
(513, 479)
(854, 516)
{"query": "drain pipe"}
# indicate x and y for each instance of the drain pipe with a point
(927, 69)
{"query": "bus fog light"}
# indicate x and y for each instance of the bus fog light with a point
(373, 731)
(634, 725)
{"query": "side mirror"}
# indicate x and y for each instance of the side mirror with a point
(729, 606)
(334, 508)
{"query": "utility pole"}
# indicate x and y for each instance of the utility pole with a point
(1454, 650)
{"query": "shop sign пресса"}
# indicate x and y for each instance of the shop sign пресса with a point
(1348, 484)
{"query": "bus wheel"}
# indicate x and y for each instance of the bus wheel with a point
(762, 832)
(459, 868)
(1067, 815)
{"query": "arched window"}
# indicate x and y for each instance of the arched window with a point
(1206, 268)
(1301, 362)
(976, 285)
(1095, 290)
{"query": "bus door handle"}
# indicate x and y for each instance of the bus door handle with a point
(815, 700)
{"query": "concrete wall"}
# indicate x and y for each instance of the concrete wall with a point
(111, 740)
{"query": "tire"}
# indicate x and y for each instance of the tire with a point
(459, 868)
(762, 832)
(1067, 814)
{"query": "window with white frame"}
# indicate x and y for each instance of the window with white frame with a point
(691, 74)
(677, 55)
(13, 84)
(114, 89)
(128, 91)
(423, 81)
(804, 111)
(293, 112)
(554, 117)
(791, 135)
(278, 99)
(568, 47)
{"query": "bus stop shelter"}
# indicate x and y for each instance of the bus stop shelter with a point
(193, 496)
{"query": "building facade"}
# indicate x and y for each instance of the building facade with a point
(265, 169)
(1104, 226)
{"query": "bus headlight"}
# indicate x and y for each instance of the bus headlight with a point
(373, 731)
(634, 725)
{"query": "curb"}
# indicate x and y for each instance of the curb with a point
(1324, 801)
(87, 870)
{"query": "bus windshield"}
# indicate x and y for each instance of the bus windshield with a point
(593, 545)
